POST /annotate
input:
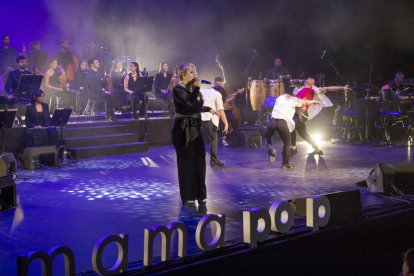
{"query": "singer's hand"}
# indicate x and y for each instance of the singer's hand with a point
(197, 82)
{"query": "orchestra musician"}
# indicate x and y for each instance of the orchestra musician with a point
(13, 79)
(8, 55)
(117, 80)
(67, 59)
(38, 59)
(278, 72)
(54, 83)
(95, 83)
(79, 85)
(389, 102)
(37, 121)
(161, 82)
(135, 94)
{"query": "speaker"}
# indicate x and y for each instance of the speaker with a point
(7, 193)
(7, 164)
(383, 177)
(31, 157)
(246, 137)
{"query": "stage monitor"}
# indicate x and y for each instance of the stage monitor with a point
(387, 178)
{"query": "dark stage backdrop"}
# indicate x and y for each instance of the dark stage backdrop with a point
(355, 34)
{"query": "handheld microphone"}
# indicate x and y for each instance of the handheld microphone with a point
(205, 82)
(323, 54)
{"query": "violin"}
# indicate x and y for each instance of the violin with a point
(174, 80)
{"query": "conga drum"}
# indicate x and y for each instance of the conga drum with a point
(276, 88)
(257, 94)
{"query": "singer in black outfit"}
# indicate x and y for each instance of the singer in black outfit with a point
(187, 139)
(37, 121)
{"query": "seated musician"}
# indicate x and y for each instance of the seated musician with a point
(95, 83)
(278, 72)
(13, 79)
(54, 84)
(135, 94)
(37, 121)
(389, 103)
(162, 82)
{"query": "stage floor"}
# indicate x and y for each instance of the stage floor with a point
(78, 203)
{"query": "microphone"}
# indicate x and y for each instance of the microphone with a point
(205, 82)
(323, 54)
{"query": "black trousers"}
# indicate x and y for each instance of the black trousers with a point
(137, 103)
(191, 163)
(300, 127)
(282, 129)
(211, 131)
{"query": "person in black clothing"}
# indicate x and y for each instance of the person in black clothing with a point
(117, 80)
(187, 139)
(79, 85)
(135, 94)
(278, 72)
(8, 55)
(161, 83)
(96, 88)
(38, 59)
(12, 82)
(37, 121)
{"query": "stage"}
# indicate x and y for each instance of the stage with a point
(78, 203)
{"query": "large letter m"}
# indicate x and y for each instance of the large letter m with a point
(46, 261)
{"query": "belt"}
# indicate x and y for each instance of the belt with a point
(189, 124)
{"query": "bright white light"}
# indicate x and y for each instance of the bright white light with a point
(317, 137)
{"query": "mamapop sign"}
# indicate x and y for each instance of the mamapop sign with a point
(258, 223)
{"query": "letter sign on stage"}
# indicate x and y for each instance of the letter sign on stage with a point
(166, 235)
(256, 226)
(318, 212)
(218, 239)
(121, 264)
(281, 214)
(46, 260)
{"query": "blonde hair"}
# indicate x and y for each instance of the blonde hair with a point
(182, 70)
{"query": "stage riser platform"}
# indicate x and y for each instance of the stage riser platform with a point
(108, 150)
(97, 133)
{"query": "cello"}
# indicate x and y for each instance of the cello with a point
(228, 98)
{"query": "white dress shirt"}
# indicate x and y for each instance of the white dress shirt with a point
(214, 100)
(285, 107)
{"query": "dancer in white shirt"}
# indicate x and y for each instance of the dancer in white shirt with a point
(210, 122)
(282, 122)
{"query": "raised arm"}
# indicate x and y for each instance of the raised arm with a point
(334, 88)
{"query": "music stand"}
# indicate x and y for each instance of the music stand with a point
(145, 84)
(60, 119)
(6, 121)
(27, 84)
